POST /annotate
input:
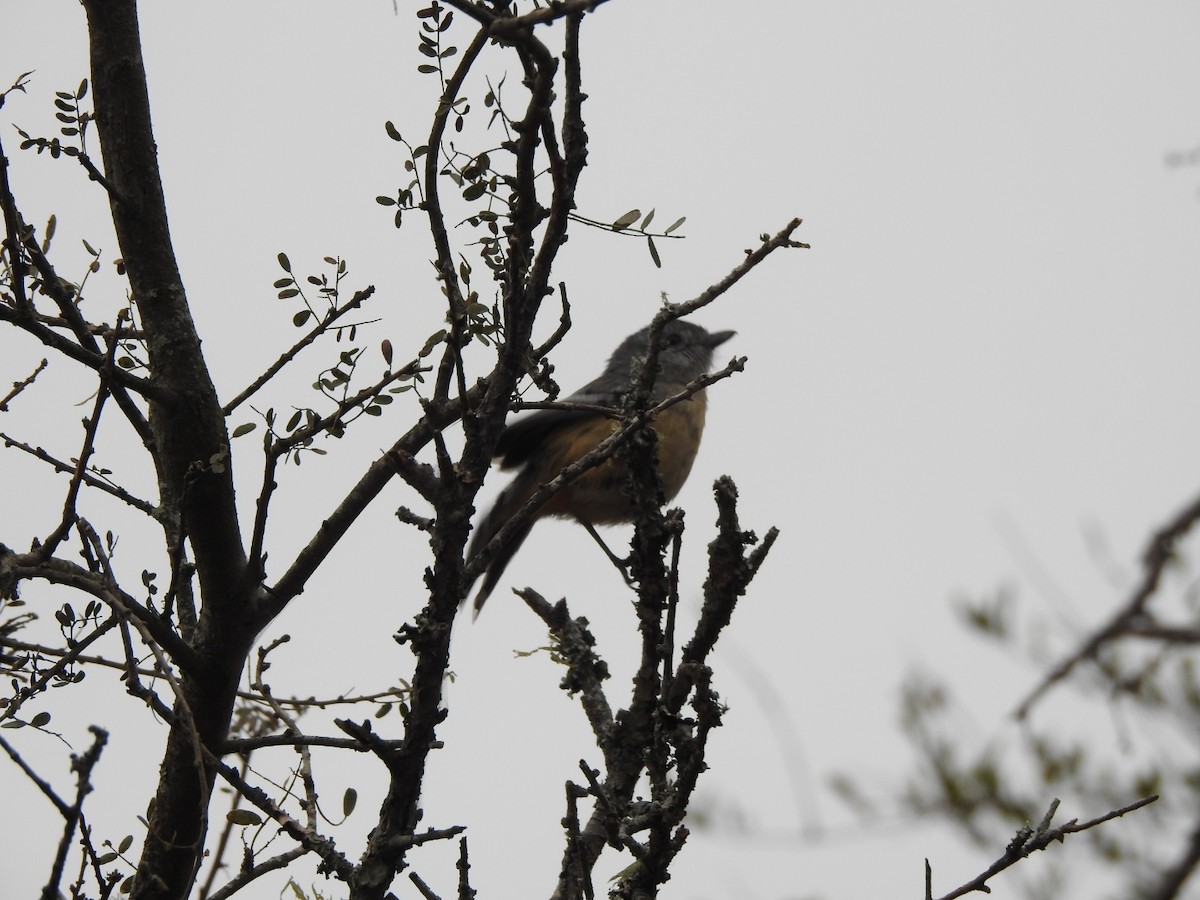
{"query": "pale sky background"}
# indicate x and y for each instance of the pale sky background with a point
(994, 334)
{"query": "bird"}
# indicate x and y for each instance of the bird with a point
(539, 446)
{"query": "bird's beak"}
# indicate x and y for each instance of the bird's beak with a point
(717, 338)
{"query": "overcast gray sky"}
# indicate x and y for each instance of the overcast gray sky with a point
(989, 350)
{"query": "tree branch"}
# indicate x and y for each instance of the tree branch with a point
(330, 317)
(16, 567)
(19, 386)
(82, 767)
(1027, 842)
(90, 480)
(91, 425)
(1158, 555)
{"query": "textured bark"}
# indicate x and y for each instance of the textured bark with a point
(190, 451)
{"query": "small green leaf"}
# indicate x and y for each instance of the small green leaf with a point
(41, 720)
(434, 339)
(288, 293)
(646, 221)
(385, 201)
(126, 843)
(349, 801)
(301, 317)
(391, 131)
(675, 224)
(244, 428)
(284, 262)
(243, 817)
(653, 251)
(626, 220)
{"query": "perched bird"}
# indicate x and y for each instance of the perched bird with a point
(543, 443)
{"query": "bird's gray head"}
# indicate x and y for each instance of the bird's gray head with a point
(685, 352)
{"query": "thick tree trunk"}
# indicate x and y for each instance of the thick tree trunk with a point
(190, 451)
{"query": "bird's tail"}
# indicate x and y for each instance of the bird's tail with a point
(511, 499)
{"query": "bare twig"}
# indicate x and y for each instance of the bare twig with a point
(673, 311)
(82, 766)
(244, 877)
(422, 887)
(782, 239)
(465, 891)
(1027, 842)
(560, 331)
(42, 785)
(19, 386)
(90, 480)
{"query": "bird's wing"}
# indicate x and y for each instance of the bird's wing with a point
(520, 440)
